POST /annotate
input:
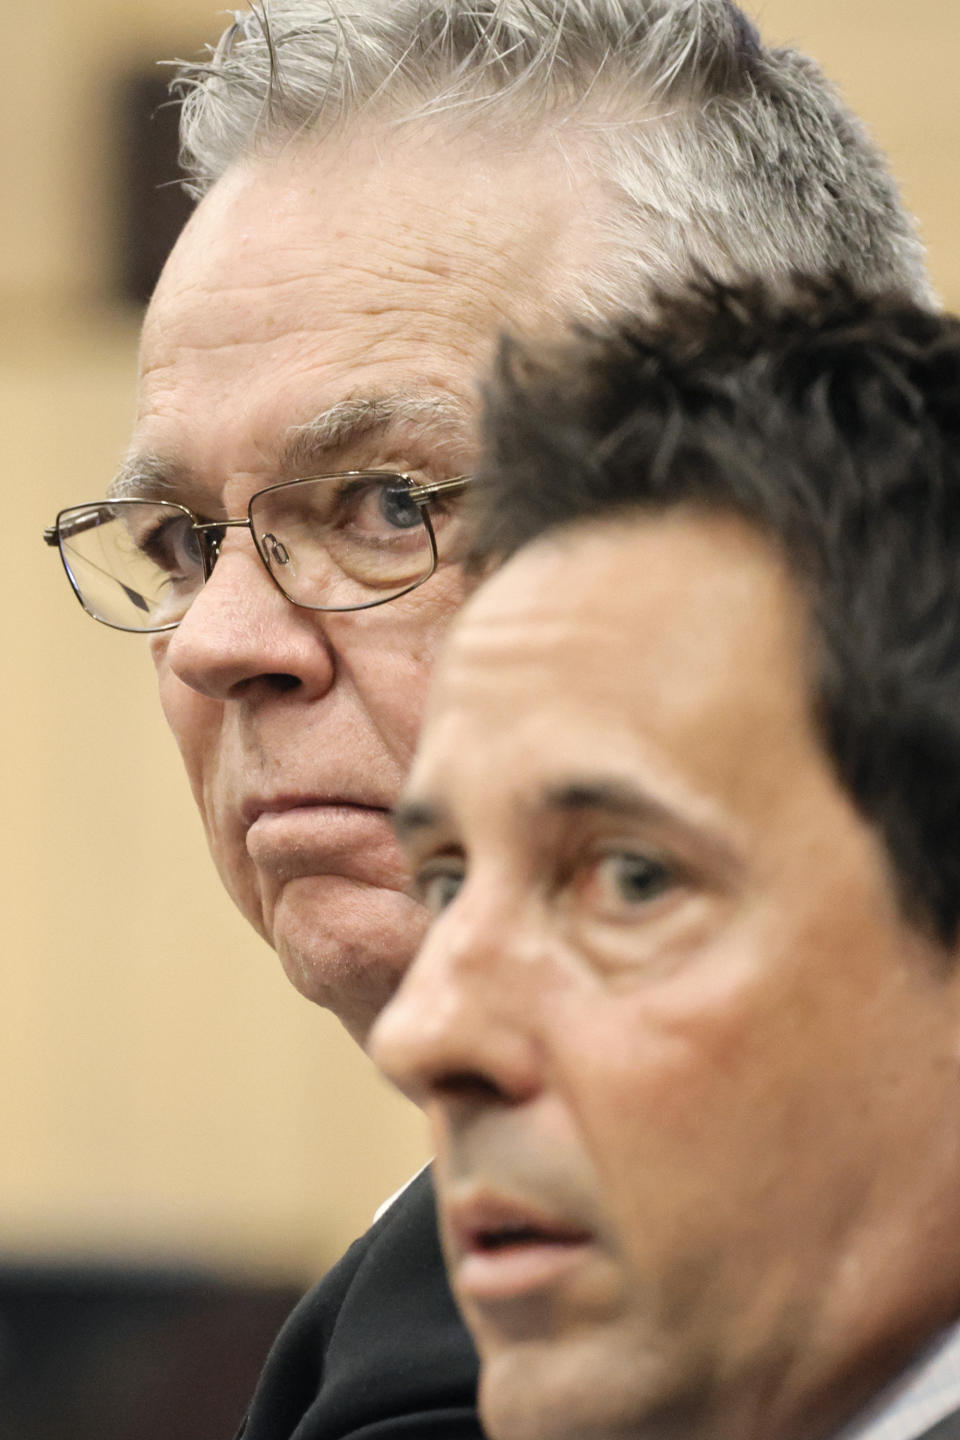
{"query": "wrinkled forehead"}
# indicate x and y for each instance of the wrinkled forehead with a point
(347, 272)
(413, 225)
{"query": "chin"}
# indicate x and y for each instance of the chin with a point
(593, 1385)
(526, 1406)
(346, 946)
(532, 1391)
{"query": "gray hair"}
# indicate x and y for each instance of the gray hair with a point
(725, 156)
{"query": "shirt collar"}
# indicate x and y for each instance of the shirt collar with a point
(927, 1391)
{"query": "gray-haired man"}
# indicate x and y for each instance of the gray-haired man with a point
(383, 187)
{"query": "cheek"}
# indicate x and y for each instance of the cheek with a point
(714, 1123)
(394, 695)
(195, 722)
(391, 664)
(673, 1104)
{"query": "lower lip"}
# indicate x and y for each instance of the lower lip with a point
(518, 1270)
(308, 837)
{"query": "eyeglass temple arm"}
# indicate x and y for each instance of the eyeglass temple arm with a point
(422, 494)
(52, 534)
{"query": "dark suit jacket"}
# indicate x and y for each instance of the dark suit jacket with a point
(377, 1350)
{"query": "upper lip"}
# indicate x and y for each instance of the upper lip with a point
(488, 1218)
(256, 806)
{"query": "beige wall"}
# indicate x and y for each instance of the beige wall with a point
(164, 1091)
(896, 64)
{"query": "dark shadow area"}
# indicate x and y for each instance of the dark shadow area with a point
(151, 205)
(109, 1353)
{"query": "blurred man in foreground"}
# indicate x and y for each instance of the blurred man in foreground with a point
(383, 185)
(687, 1023)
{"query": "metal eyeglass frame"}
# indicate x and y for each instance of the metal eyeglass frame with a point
(420, 494)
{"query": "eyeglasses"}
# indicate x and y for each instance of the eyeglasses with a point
(328, 542)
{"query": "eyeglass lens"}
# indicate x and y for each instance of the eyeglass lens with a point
(337, 543)
(342, 541)
(136, 564)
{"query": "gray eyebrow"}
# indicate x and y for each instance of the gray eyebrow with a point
(146, 477)
(350, 421)
(307, 446)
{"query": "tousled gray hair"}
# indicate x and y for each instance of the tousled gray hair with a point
(725, 155)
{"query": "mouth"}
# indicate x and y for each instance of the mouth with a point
(506, 1250)
(255, 810)
(320, 835)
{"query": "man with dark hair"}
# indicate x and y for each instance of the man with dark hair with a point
(382, 186)
(687, 1022)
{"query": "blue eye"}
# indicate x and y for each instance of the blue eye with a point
(173, 545)
(398, 509)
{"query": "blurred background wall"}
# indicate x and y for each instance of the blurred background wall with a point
(165, 1094)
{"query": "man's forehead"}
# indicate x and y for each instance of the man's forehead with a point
(347, 223)
(280, 301)
(667, 635)
(601, 572)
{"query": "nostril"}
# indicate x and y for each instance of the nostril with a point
(467, 1085)
(281, 681)
(276, 682)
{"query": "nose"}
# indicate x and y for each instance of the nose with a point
(457, 1029)
(241, 632)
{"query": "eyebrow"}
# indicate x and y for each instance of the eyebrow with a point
(308, 447)
(413, 817)
(350, 421)
(147, 477)
(613, 796)
(609, 795)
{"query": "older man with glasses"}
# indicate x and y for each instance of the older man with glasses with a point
(382, 187)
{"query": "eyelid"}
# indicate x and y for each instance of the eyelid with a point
(587, 844)
(437, 861)
(654, 863)
(588, 890)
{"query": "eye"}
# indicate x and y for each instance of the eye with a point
(438, 883)
(397, 508)
(622, 881)
(372, 508)
(173, 545)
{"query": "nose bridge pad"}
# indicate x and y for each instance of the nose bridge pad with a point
(278, 552)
